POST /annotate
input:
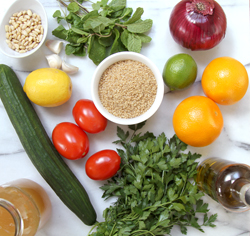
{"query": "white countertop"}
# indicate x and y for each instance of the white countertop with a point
(233, 143)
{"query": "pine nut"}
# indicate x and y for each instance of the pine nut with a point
(16, 46)
(40, 37)
(22, 51)
(35, 33)
(24, 31)
(27, 30)
(29, 12)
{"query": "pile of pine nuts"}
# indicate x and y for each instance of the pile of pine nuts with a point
(24, 32)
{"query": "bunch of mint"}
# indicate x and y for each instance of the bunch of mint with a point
(155, 188)
(106, 29)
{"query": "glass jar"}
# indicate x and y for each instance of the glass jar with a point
(24, 208)
(226, 182)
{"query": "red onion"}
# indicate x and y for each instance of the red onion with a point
(198, 24)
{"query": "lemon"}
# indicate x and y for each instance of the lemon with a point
(179, 72)
(48, 87)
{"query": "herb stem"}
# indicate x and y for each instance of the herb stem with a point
(63, 3)
(120, 25)
(112, 229)
(142, 232)
(81, 6)
(101, 35)
(160, 205)
(94, 226)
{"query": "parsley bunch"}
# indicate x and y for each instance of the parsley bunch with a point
(106, 29)
(155, 188)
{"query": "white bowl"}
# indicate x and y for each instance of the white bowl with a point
(126, 56)
(19, 5)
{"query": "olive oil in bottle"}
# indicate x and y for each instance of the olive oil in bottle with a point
(226, 182)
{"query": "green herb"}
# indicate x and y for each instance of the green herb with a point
(155, 188)
(106, 29)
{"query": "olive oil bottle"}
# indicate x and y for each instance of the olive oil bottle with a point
(226, 182)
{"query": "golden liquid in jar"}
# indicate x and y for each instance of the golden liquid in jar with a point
(222, 180)
(31, 201)
(7, 225)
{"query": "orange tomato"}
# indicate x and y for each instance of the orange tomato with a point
(225, 80)
(197, 121)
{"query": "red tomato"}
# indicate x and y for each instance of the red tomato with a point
(88, 117)
(70, 140)
(103, 165)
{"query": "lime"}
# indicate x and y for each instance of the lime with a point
(180, 71)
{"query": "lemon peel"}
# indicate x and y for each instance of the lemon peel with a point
(48, 87)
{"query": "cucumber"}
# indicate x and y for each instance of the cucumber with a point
(40, 149)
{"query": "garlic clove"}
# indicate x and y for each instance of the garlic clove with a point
(54, 61)
(69, 69)
(54, 45)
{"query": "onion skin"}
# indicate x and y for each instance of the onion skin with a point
(196, 31)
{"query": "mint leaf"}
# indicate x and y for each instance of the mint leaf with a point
(107, 41)
(117, 5)
(98, 24)
(112, 27)
(73, 7)
(104, 3)
(144, 38)
(73, 19)
(72, 37)
(76, 49)
(96, 50)
(124, 37)
(60, 32)
(134, 43)
(96, 6)
(136, 16)
(82, 40)
(126, 14)
(93, 13)
(140, 27)
(115, 46)
(78, 31)
(58, 16)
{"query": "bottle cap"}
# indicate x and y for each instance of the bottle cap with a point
(247, 197)
(245, 194)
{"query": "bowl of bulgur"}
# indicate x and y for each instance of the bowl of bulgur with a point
(23, 28)
(127, 88)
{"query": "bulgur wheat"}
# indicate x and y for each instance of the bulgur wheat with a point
(127, 89)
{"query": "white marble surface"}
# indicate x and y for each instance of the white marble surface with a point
(233, 143)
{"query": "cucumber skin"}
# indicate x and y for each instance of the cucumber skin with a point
(40, 149)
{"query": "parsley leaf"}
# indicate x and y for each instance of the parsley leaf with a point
(155, 187)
